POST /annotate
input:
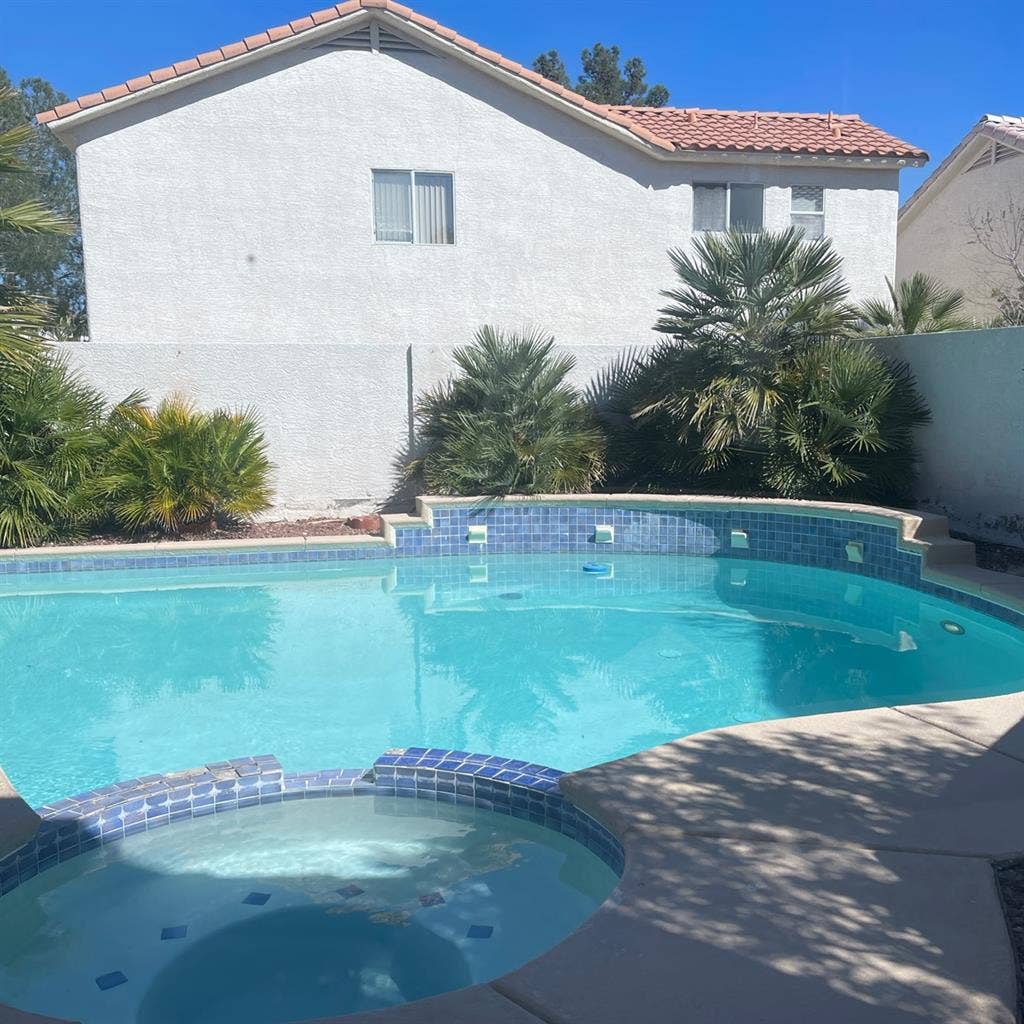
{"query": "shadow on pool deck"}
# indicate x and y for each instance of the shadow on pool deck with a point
(828, 868)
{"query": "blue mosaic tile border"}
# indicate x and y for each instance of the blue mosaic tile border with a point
(522, 528)
(111, 813)
(503, 785)
(14, 566)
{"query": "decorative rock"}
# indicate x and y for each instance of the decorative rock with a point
(370, 523)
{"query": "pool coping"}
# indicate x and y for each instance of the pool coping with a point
(945, 561)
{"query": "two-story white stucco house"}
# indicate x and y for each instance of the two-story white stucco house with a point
(966, 221)
(365, 174)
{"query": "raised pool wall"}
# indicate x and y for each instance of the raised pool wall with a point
(76, 825)
(906, 548)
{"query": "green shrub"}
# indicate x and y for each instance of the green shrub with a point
(51, 443)
(508, 423)
(174, 467)
(761, 389)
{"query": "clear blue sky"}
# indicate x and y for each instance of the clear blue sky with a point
(922, 69)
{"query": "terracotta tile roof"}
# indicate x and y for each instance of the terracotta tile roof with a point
(670, 129)
(756, 131)
(1004, 128)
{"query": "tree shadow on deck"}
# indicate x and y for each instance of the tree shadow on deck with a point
(835, 867)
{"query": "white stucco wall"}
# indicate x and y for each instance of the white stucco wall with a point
(238, 209)
(337, 417)
(937, 238)
(973, 450)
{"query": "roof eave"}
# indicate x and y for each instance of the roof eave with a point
(951, 165)
(782, 157)
(300, 39)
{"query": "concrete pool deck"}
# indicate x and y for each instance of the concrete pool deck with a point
(835, 867)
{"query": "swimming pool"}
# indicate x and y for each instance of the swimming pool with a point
(116, 674)
(292, 911)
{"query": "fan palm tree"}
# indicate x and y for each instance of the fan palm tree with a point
(917, 305)
(744, 304)
(756, 292)
(761, 388)
(509, 423)
(23, 318)
(51, 440)
(845, 426)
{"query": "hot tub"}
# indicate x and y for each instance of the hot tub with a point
(299, 909)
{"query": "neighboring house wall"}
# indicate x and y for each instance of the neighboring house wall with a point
(238, 209)
(935, 236)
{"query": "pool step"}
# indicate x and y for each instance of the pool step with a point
(400, 521)
(12, 1015)
(949, 551)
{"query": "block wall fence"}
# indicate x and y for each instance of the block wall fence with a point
(339, 417)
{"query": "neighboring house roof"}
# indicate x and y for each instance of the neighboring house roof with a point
(670, 130)
(1004, 129)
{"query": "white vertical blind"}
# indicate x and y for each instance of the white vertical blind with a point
(435, 223)
(392, 206)
(709, 207)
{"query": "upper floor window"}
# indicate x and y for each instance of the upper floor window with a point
(413, 206)
(807, 210)
(717, 207)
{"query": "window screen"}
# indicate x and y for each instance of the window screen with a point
(709, 204)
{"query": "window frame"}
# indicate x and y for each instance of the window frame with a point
(412, 172)
(728, 186)
(804, 213)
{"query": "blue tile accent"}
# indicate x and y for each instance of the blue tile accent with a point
(176, 931)
(480, 931)
(81, 824)
(111, 980)
(799, 536)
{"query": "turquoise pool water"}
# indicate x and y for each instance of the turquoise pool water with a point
(119, 675)
(292, 912)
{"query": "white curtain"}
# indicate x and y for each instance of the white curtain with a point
(435, 222)
(392, 206)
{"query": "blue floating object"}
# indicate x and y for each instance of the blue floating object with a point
(598, 568)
